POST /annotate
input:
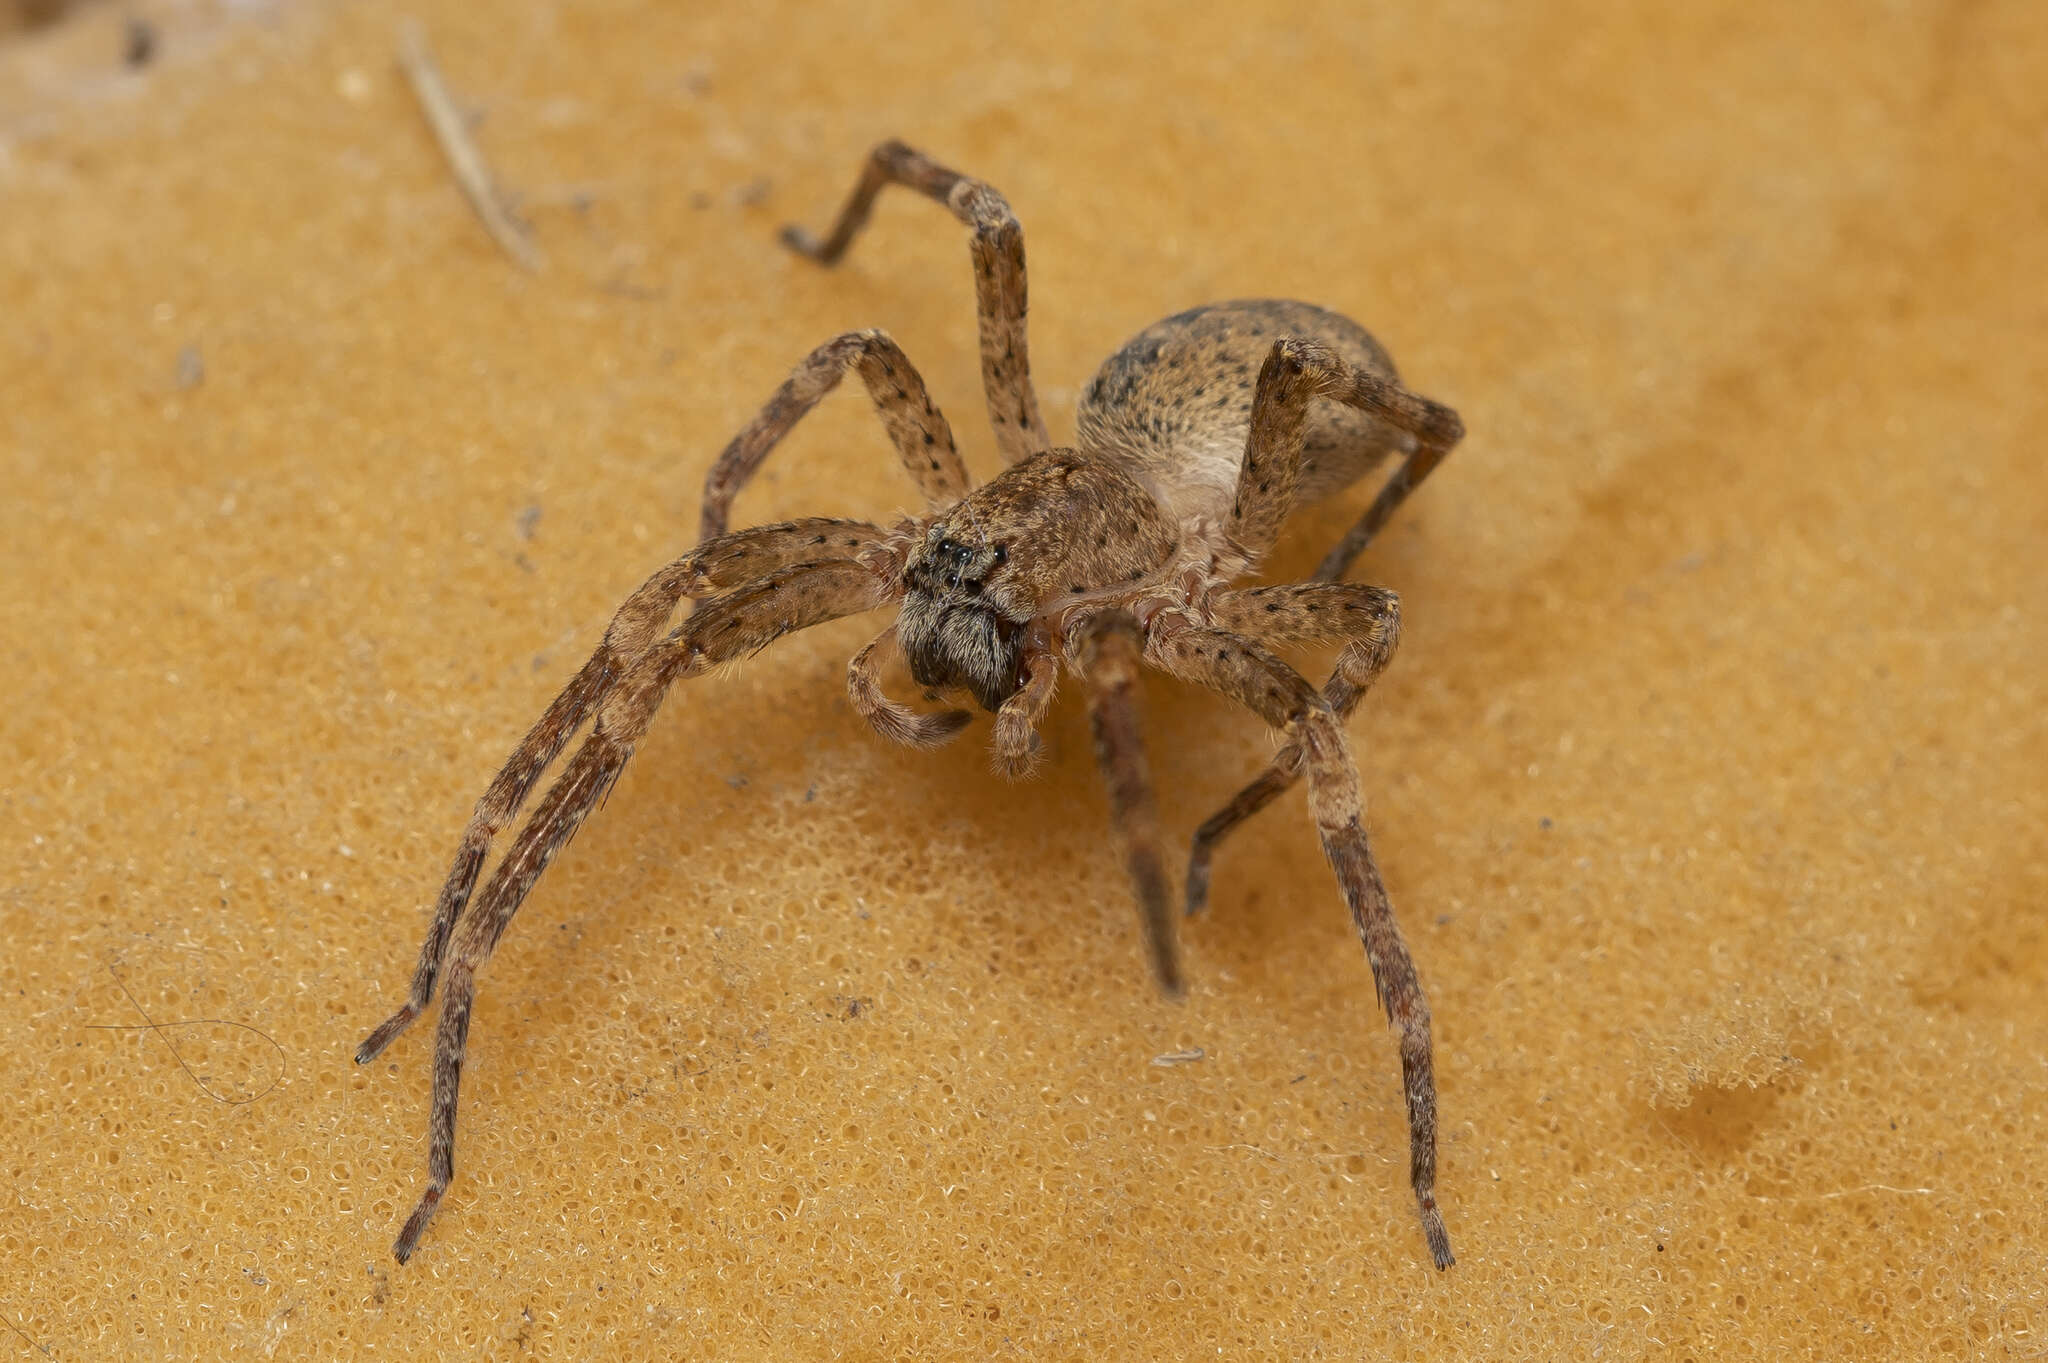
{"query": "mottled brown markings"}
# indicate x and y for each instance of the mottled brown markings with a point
(1099, 559)
(997, 250)
(1241, 669)
(1366, 620)
(725, 627)
(922, 438)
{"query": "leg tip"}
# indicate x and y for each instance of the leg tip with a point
(1439, 1239)
(1166, 973)
(415, 1225)
(801, 242)
(387, 1030)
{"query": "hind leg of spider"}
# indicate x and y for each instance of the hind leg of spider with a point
(638, 623)
(728, 626)
(999, 293)
(923, 439)
(1240, 668)
(1366, 620)
(1296, 372)
(1436, 429)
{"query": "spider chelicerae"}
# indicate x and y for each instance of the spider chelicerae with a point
(1195, 441)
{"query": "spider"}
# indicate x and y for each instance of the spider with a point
(1195, 441)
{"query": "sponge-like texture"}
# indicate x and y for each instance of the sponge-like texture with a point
(1708, 780)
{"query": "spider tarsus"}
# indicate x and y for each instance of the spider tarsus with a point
(1155, 903)
(945, 726)
(1197, 889)
(416, 1225)
(803, 243)
(1019, 764)
(386, 1032)
(1166, 971)
(1433, 1231)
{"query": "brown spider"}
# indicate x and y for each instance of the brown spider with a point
(1196, 440)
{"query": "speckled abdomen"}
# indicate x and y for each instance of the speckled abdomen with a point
(1173, 406)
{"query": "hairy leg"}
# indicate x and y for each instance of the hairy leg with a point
(999, 293)
(1016, 729)
(1240, 668)
(1436, 429)
(713, 566)
(1105, 650)
(1296, 372)
(894, 721)
(1366, 620)
(739, 622)
(920, 433)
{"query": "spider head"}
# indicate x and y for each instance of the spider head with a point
(959, 625)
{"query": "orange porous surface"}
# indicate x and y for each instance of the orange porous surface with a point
(1707, 781)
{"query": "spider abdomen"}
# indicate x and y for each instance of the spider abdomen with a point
(1172, 408)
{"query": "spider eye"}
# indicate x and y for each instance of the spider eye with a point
(1002, 554)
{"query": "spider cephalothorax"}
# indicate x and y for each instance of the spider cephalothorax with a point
(1195, 441)
(1055, 525)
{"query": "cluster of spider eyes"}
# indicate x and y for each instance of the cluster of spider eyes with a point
(960, 554)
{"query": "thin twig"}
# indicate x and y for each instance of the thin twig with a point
(464, 160)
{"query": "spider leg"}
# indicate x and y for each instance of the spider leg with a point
(739, 622)
(1105, 650)
(894, 721)
(1297, 371)
(1367, 620)
(999, 293)
(1016, 730)
(1241, 669)
(1436, 429)
(714, 565)
(915, 425)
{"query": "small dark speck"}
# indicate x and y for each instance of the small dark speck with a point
(525, 522)
(191, 370)
(141, 45)
(754, 191)
(736, 781)
(1543, 823)
(1660, 1249)
(1297, 1079)
(810, 794)
(1443, 920)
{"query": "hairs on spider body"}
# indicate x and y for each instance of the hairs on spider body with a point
(1194, 443)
